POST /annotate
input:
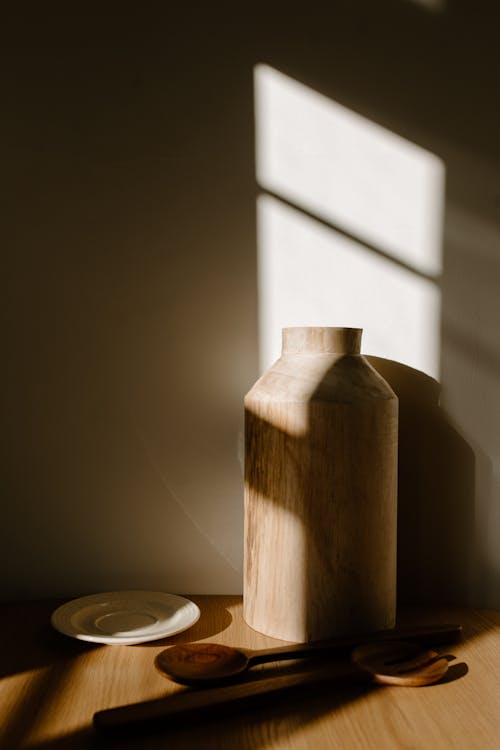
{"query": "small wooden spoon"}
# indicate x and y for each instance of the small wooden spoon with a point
(400, 663)
(204, 663)
(390, 663)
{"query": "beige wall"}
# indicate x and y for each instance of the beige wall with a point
(130, 287)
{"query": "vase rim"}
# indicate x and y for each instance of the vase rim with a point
(321, 339)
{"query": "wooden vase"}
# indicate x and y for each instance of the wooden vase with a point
(321, 432)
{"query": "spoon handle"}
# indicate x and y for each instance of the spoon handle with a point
(423, 634)
(186, 707)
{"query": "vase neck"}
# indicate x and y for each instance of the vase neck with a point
(321, 340)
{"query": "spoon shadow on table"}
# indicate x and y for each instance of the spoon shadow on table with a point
(455, 671)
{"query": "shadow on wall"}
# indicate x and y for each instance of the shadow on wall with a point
(471, 362)
(436, 492)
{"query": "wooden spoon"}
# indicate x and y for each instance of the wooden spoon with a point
(204, 663)
(385, 663)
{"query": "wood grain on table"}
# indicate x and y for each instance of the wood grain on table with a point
(51, 685)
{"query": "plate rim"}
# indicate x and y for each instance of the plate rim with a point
(89, 599)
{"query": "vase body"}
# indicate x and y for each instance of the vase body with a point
(320, 491)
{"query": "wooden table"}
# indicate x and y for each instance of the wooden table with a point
(51, 686)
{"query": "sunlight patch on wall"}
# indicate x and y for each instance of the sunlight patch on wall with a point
(346, 169)
(311, 275)
(361, 180)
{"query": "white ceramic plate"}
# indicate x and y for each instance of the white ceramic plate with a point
(125, 617)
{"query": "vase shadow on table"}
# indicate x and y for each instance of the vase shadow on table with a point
(207, 626)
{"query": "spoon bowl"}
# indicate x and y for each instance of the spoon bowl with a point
(192, 663)
(404, 664)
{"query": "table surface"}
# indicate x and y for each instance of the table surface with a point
(51, 685)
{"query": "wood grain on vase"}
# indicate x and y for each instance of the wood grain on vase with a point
(320, 491)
